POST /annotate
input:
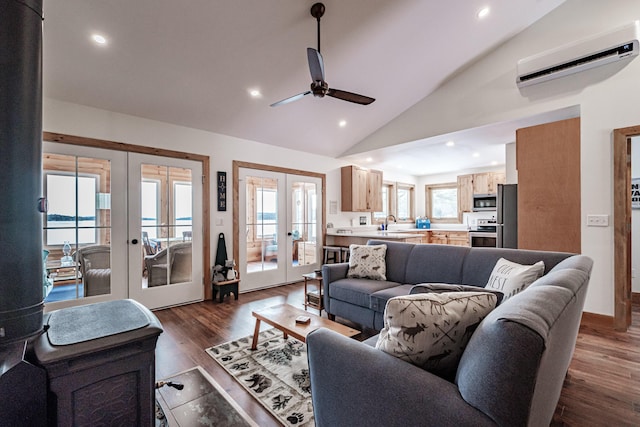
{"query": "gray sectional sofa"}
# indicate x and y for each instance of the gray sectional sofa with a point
(363, 300)
(511, 371)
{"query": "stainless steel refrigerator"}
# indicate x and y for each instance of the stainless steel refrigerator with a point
(507, 221)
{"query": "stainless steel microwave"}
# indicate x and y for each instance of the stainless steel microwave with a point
(484, 202)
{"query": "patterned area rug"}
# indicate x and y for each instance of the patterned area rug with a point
(202, 402)
(276, 374)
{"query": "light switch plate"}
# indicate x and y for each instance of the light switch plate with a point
(597, 220)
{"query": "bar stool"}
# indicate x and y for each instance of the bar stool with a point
(332, 253)
(346, 252)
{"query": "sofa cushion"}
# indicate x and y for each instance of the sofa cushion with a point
(435, 264)
(510, 277)
(439, 288)
(357, 291)
(431, 330)
(368, 262)
(379, 299)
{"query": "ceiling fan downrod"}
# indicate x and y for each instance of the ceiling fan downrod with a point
(317, 10)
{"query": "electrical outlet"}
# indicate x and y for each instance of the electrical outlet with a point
(597, 220)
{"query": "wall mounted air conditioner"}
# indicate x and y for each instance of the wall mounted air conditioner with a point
(601, 49)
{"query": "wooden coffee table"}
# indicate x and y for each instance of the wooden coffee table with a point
(283, 318)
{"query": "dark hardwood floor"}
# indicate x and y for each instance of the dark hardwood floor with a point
(602, 387)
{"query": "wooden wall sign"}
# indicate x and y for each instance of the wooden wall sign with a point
(222, 191)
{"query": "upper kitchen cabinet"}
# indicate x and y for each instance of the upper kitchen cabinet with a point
(487, 183)
(477, 183)
(361, 189)
(465, 194)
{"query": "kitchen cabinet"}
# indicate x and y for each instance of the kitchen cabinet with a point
(457, 238)
(548, 163)
(438, 237)
(361, 189)
(487, 183)
(477, 183)
(465, 194)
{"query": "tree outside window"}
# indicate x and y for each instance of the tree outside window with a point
(442, 202)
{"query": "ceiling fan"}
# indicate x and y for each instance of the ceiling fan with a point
(319, 86)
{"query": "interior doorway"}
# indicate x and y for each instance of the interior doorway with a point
(622, 176)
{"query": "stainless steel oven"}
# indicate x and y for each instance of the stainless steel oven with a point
(483, 239)
(485, 236)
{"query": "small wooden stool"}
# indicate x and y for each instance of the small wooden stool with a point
(225, 288)
(332, 253)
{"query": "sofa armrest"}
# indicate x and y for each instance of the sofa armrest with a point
(353, 384)
(331, 273)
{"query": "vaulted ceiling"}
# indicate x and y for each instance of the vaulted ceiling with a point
(194, 62)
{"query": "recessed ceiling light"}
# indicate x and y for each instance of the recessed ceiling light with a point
(482, 13)
(450, 144)
(369, 159)
(342, 123)
(255, 93)
(99, 39)
(476, 154)
(494, 163)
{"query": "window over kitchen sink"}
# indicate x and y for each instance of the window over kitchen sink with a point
(442, 202)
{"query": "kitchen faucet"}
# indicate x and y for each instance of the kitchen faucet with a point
(386, 221)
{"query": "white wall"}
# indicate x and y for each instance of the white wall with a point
(486, 93)
(73, 119)
(511, 173)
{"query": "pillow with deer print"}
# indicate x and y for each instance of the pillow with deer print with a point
(368, 262)
(432, 330)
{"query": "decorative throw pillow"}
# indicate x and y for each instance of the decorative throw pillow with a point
(510, 278)
(368, 262)
(439, 288)
(432, 330)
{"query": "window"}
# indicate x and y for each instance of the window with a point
(72, 209)
(442, 202)
(386, 206)
(404, 202)
(266, 212)
(150, 207)
(182, 206)
(397, 200)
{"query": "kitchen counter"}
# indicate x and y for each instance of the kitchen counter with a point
(449, 235)
(387, 235)
(335, 238)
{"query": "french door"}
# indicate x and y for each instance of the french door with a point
(280, 227)
(165, 230)
(101, 204)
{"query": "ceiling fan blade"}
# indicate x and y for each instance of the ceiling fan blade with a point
(316, 64)
(349, 96)
(291, 99)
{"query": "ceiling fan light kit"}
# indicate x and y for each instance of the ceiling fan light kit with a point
(319, 87)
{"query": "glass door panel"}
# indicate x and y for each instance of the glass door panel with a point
(304, 224)
(77, 229)
(279, 214)
(261, 224)
(162, 214)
